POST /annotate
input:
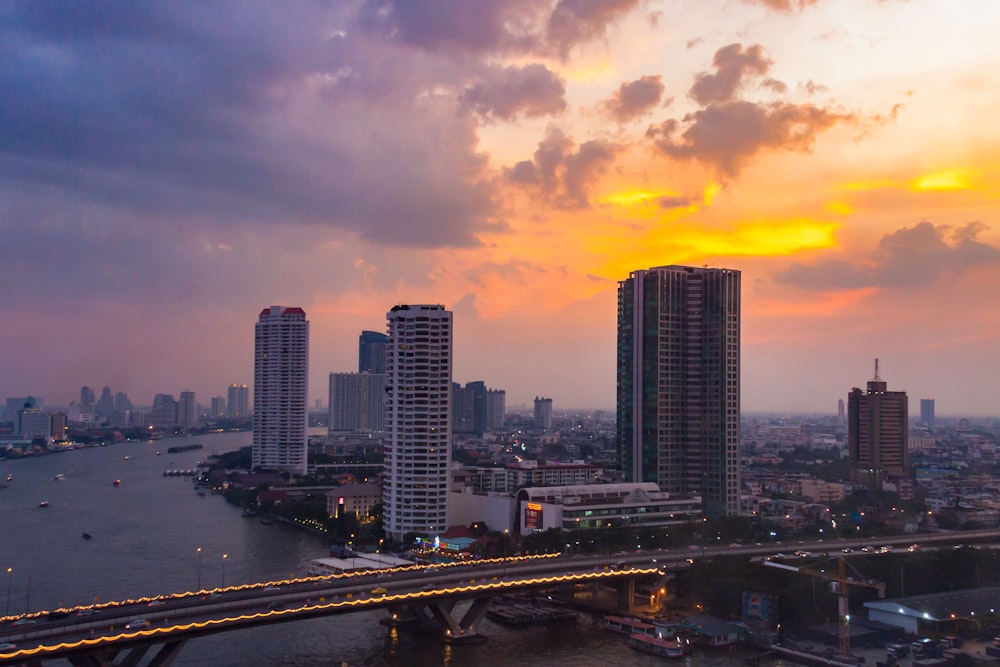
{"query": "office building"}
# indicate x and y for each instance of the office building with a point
(187, 410)
(418, 420)
(164, 412)
(496, 408)
(357, 403)
(280, 390)
(543, 412)
(218, 406)
(877, 434)
(87, 396)
(841, 414)
(238, 405)
(371, 352)
(927, 412)
(470, 408)
(679, 382)
(16, 403)
(33, 423)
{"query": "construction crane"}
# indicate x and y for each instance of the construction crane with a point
(839, 583)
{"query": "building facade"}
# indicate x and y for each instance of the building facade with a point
(238, 401)
(280, 389)
(357, 402)
(678, 384)
(496, 408)
(418, 420)
(877, 434)
(187, 410)
(927, 412)
(543, 412)
(371, 352)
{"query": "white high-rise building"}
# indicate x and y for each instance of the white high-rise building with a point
(418, 420)
(280, 389)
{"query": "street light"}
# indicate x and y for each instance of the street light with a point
(199, 568)
(9, 577)
(224, 557)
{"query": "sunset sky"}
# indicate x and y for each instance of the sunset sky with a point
(169, 169)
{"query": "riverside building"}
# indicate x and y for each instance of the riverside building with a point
(679, 382)
(280, 389)
(418, 420)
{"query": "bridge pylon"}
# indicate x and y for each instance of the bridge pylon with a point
(438, 617)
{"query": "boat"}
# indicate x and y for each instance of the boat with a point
(665, 648)
(58, 476)
(43, 504)
(628, 626)
(10, 476)
(117, 482)
(183, 448)
(86, 536)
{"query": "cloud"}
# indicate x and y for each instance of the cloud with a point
(635, 98)
(732, 64)
(259, 115)
(783, 5)
(727, 135)
(576, 21)
(515, 27)
(562, 171)
(910, 257)
(505, 92)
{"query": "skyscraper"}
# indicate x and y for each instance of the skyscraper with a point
(543, 412)
(679, 382)
(280, 389)
(357, 402)
(238, 405)
(927, 412)
(187, 410)
(164, 412)
(418, 420)
(371, 352)
(496, 408)
(86, 396)
(877, 434)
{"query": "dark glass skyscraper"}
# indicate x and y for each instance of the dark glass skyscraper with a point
(371, 352)
(679, 382)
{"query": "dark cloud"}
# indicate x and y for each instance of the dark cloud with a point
(576, 21)
(521, 27)
(505, 92)
(562, 171)
(635, 98)
(732, 64)
(228, 112)
(674, 202)
(727, 135)
(910, 257)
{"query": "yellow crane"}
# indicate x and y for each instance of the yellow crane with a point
(839, 583)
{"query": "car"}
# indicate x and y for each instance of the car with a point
(7, 646)
(86, 612)
(276, 605)
(379, 591)
(155, 603)
(136, 624)
(270, 588)
(913, 547)
(847, 550)
(24, 621)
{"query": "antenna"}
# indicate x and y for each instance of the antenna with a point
(876, 378)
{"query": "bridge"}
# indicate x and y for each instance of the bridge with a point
(123, 632)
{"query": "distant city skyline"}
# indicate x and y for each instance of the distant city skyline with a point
(513, 160)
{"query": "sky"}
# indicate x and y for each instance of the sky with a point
(168, 170)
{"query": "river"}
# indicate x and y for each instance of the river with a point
(145, 540)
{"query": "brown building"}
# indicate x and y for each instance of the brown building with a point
(877, 434)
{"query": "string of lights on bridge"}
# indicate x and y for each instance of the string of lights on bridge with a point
(349, 601)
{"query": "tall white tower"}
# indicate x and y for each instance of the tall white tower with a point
(418, 420)
(280, 389)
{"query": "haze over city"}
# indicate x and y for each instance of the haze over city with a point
(169, 170)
